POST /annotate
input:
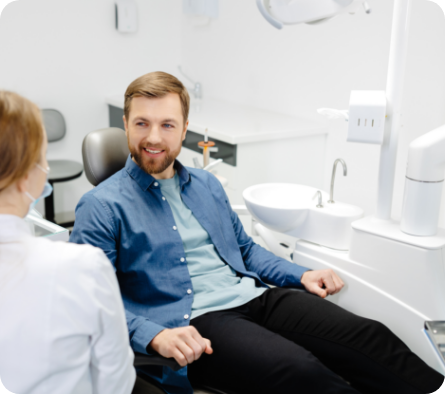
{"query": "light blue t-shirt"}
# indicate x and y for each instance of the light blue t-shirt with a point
(215, 284)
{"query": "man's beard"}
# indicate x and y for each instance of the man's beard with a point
(153, 166)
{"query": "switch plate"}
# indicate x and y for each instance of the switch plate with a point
(126, 16)
(367, 111)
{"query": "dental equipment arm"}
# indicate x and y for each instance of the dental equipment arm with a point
(274, 22)
(279, 13)
(423, 184)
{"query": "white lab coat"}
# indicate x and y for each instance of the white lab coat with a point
(62, 321)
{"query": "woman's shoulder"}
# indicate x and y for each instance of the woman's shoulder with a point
(69, 257)
(69, 269)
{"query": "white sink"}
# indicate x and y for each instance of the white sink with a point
(291, 209)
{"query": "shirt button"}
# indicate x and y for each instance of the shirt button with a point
(156, 184)
(189, 291)
(174, 228)
(163, 198)
(186, 316)
(182, 259)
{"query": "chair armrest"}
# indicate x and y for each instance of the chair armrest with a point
(141, 360)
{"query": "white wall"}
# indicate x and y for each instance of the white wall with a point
(67, 55)
(240, 57)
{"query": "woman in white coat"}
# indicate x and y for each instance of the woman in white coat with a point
(62, 322)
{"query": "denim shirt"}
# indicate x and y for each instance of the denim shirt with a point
(130, 220)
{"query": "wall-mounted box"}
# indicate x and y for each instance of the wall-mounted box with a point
(126, 16)
(367, 111)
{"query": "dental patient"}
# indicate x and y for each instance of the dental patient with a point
(195, 285)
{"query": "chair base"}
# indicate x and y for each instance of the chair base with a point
(61, 171)
(63, 219)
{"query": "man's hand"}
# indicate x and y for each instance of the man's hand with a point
(322, 282)
(184, 344)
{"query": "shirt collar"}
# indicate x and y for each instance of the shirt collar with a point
(146, 181)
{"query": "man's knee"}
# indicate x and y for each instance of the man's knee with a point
(372, 327)
(302, 368)
(375, 340)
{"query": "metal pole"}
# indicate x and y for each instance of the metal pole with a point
(394, 95)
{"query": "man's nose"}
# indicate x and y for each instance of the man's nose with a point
(154, 137)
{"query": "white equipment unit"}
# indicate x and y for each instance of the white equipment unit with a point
(423, 185)
(367, 110)
(393, 272)
(126, 16)
(389, 276)
(286, 12)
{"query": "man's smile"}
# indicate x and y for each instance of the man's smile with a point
(153, 152)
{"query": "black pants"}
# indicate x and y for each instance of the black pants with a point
(287, 341)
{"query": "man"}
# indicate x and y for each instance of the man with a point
(194, 284)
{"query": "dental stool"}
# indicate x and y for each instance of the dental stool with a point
(61, 170)
(104, 152)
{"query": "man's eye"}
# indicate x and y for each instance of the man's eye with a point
(168, 126)
(140, 124)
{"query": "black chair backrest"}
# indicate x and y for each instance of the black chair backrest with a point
(54, 124)
(104, 152)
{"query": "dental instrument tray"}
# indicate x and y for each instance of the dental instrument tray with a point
(436, 333)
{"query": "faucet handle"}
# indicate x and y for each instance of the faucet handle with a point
(320, 199)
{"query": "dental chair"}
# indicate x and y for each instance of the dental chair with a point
(104, 152)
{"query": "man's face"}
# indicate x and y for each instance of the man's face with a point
(155, 131)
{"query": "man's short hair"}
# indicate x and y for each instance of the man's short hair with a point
(157, 84)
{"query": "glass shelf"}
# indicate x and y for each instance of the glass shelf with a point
(41, 227)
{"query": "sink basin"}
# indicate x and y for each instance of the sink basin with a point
(290, 209)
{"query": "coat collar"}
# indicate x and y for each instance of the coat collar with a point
(12, 228)
(146, 181)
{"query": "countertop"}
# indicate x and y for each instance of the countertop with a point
(239, 124)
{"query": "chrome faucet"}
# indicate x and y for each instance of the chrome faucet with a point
(345, 172)
(320, 199)
(197, 89)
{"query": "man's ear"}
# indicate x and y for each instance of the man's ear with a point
(184, 132)
(125, 125)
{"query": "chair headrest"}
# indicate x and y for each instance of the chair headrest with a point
(104, 152)
(55, 125)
